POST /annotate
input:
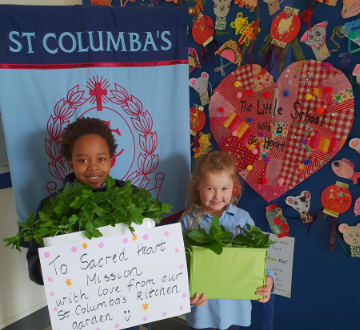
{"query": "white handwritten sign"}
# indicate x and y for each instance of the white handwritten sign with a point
(283, 252)
(116, 282)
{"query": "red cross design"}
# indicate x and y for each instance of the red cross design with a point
(98, 92)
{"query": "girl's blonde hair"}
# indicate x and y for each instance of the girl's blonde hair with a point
(213, 162)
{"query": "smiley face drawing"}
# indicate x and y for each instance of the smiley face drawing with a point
(127, 317)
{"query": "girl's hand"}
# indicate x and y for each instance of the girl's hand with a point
(198, 301)
(266, 290)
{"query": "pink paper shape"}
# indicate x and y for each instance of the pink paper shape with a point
(101, 245)
(46, 255)
(176, 250)
(74, 249)
(125, 240)
(166, 233)
(145, 237)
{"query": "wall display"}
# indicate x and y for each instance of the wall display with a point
(116, 282)
(221, 9)
(201, 85)
(301, 204)
(246, 30)
(283, 252)
(336, 199)
(274, 6)
(277, 221)
(315, 38)
(251, 4)
(230, 51)
(345, 169)
(351, 237)
(202, 144)
(193, 59)
(355, 144)
(286, 130)
(357, 207)
(351, 30)
(197, 119)
(328, 2)
(350, 8)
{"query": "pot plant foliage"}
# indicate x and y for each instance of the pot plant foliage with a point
(218, 238)
(78, 208)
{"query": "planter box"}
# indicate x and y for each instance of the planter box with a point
(234, 274)
(106, 231)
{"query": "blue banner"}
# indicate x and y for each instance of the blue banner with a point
(125, 66)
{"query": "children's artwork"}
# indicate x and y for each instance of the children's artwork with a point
(356, 72)
(351, 237)
(355, 144)
(345, 169)
(201, 86)
(283, 252)
(193, 59)
(301, 204)
(336, 199)
(277, 221)
(117, 282)
(203, 144)
(202, 33)
(328, 2)
(351, 30)
(315, 38)
(230, 51)
(357, 207)
(221, 9)
(285, 27)
(247, 31)
(286, 131)
(350, 8)
(251, 4)
(197, 119)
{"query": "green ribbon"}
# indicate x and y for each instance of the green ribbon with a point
(297, 50)
(266, 47)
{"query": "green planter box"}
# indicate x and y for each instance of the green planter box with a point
(234, 274)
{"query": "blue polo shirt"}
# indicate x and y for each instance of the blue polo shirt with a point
(222, 313)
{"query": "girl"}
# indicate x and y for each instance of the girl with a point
(215, 190)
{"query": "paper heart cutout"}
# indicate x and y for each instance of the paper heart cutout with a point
(296, 125)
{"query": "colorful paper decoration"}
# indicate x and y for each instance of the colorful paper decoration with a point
(230, 51)
(221, 9)
(345, 169)
(315, 38)
(356, 72)
(357, 207)
(204, 144)
(197, 119)
(202, 33)
(355, 144)
(351, 237)
(336, 199)
(327, 2)
(277, 221)
(350, 8)
(193, 59)
(351, 30)
(273, 5)
(201, 86)
(251, 4)
(301, 204)
(247, 30)
(285, 130)
(285, 27)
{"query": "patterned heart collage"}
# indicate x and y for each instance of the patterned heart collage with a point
(281, 133)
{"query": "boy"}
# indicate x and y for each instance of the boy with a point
(88, 145)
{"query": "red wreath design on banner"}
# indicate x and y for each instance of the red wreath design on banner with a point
(142, 121)
(148, 141)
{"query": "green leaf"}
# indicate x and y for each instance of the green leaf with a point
(197, 236)
(215, 247)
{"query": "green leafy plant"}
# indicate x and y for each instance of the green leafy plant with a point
(78, 208)
(218, 238)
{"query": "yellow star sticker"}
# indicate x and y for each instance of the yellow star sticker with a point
(84, 246)
(145, 306)
(68, 282)
(134, 237)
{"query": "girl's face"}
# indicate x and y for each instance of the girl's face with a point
(215, 192)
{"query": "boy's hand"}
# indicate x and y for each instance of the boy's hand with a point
(198, 301)
(266, 290)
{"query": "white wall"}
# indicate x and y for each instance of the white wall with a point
(19, 296)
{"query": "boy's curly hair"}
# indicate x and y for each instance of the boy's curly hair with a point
(84, 126)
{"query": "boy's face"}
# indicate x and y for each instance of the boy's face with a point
(90, 160)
